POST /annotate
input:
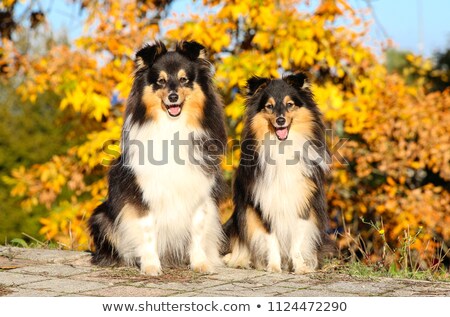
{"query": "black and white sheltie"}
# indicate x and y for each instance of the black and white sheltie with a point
(280, 217)
(162, 204)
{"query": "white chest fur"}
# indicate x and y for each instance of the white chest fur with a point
(167, 165)
(283, 190)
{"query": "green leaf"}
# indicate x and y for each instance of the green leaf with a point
(19, 242)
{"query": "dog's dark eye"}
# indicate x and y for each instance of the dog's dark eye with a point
(161, 82)
(269, 107)
(184, 80)
(290, 105)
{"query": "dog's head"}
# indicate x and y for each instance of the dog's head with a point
(279, 105)
(171, 78)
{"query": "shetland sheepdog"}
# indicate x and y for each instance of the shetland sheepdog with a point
(280, 218)
(164, 190)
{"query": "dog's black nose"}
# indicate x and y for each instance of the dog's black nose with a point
(173, 97)
(281, 121)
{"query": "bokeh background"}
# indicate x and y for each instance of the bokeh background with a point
(380, 71)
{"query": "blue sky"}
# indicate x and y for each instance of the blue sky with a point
(399, 19)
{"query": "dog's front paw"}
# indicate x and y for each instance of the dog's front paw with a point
(303, 269)
(151, 269)
(202, 267)
(273, 268)
(226, 258)
(236, 262)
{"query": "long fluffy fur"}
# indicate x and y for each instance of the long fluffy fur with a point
(280, 218)
(157, 213)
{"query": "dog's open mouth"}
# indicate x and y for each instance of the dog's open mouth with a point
(282, 133)
(174, 110)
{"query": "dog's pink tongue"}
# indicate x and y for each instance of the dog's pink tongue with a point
(282, 133)
(174, 111)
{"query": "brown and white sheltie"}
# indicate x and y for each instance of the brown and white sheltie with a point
(280, 218)
(162, 204)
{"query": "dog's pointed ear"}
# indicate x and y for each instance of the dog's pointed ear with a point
(149, 53)
(298, 80)
(256, 83)
(191, 50)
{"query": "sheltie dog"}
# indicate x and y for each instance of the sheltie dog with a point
(162, 204)
(280, 218)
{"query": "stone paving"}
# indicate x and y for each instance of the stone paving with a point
(38, 272)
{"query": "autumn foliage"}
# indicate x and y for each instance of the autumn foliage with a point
(391, 139)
